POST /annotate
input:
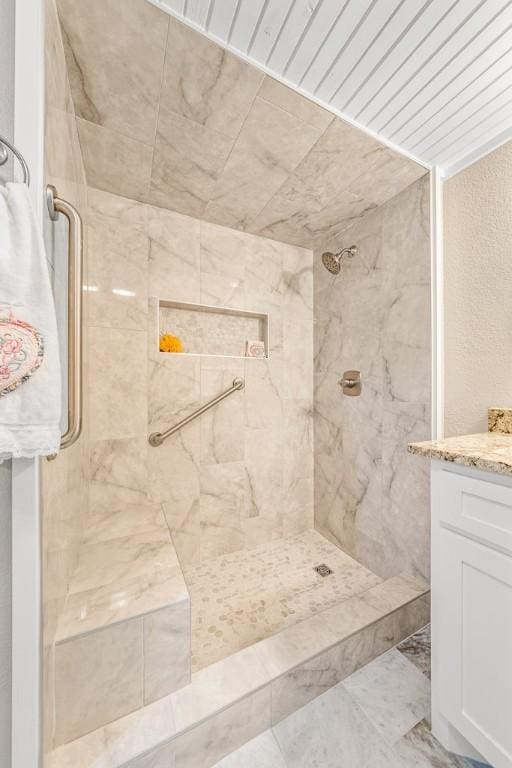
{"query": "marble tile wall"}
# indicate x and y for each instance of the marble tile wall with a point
(168, 117)
(63, 485)
(370, 497)
(242, 475)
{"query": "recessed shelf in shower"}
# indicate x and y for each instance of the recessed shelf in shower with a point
(210, 330)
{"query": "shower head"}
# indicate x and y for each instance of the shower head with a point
(332, 261)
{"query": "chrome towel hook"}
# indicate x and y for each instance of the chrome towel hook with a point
(4, 156)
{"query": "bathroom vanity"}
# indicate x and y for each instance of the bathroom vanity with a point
(472, 594)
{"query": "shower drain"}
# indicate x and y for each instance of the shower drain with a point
(323, 570)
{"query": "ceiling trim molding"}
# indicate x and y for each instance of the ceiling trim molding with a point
(472, 157)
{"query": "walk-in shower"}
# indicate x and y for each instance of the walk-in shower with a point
(332, 261)
(264, 530)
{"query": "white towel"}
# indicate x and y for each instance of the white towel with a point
(30, 409)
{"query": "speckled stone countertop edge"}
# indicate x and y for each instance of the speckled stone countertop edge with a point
(487, 451)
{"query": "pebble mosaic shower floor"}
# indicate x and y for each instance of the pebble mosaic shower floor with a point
(241, 598)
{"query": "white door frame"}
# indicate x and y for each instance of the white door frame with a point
(26, 528)
(437, 301)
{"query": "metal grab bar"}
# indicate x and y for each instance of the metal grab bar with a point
(75, 269)
(157, 438)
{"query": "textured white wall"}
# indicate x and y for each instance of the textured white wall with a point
(6, 126)
(478, 291)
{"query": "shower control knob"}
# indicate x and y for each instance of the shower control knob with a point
(351, 383)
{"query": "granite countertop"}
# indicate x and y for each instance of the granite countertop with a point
(488, 451)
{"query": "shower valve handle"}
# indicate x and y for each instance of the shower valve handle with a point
(351, 383)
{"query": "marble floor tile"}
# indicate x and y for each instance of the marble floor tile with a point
(261, 752)
(331, 732)
(243, 597)
(334, 731)
(393, 693)
(420, 749)
(417, 649)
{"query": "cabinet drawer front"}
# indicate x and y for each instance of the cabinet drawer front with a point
(480, 508)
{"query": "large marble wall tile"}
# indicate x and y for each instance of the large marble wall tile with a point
(374, 317)
(173, 467)
(130, 47)
(103, 525)
(222, 428)
(205, 83)
(270, 145)
(225, 255)
(346, 175)
(323, 177)
(230, 144)
(298, 436)
(114, 161)
(117, 262)
(224, 499)
(187, 163)
(117, 383)
(264, 467)
(63, 159)
(57, 90)
(263, 395)
(98, 678)
(408, 522)
(167, 651)
(302, 108)
(406, 344)
(173, 255)
(174, 388)
(174, 392)
(118, 463)
(183, 517)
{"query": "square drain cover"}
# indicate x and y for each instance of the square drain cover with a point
(323, 570)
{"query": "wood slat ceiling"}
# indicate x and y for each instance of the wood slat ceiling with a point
(431, 77)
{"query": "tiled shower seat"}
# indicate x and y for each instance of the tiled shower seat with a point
(123, 638)
(232, 701)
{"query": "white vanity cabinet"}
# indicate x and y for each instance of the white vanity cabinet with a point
(472, 611)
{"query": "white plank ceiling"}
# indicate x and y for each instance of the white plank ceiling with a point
(430, 77)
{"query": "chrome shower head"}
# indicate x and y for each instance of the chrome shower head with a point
(332, 261)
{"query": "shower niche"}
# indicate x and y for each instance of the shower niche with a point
(200, 329)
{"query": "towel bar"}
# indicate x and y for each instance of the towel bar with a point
(75, 267)
(4, 156)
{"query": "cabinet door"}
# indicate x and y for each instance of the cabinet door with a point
(475, 634)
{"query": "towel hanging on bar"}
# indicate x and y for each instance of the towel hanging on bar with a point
(30, 388)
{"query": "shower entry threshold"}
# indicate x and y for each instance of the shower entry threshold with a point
(238, 697)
